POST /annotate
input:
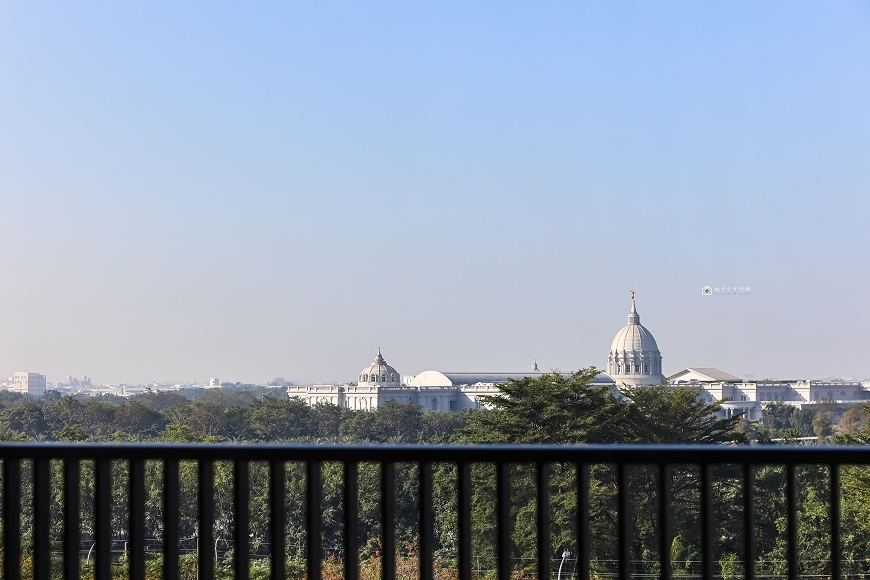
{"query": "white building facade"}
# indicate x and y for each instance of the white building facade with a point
(433, 390)
(28, 383)
(749, 398)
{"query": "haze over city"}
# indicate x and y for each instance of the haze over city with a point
(249, 191)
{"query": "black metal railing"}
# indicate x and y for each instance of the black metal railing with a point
(665, 458)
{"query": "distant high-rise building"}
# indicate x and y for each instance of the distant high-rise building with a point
(29, 383)
(214, 383)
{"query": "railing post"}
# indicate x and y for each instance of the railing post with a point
(464, 519)
(351, 520)
(503, 520)
(791, 500)
(388, 520)
(277, 519)
(583, 532)
(543, 530)
(170, 519)
(103, 517)
(836, 550)
(137, 519)
(624, 526)
(706, 522)
(665, 526)
(71, 518)
(427, 524)
(41, 519)
(205, 547)
(242, 517)
(748, 522)
(313, 515)
(11, 519)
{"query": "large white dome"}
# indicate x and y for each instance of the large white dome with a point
(379, 372)
(634, 357)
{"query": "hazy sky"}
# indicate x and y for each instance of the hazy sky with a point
(250, 190)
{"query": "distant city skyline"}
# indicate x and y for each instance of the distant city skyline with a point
(250, 191)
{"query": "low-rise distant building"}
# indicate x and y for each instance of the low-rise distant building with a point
(749, 398)
(28, 383)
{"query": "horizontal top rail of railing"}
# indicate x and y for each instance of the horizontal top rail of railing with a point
(683, 454)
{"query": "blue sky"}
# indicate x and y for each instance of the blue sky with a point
(248, 191)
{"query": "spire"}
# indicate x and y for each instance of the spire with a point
(535, 366)
(633, 316)
(378, 359)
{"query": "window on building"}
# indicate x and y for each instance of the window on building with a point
(830, 395)
(365, 378)
(646, 368)
(843, 395)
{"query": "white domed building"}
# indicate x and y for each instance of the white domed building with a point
(379, 373)
(634, 357)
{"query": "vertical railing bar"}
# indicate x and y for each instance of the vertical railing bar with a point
(543, 531)
(312, 517)
(624, 525)
(71, 518)
(427, 523)
(41, 519)
(791, 500)
(665, 525)
(503, 520)
(351, 520)
(388, 520)
(464, 519)
(205, 547)
(103, 519)
(583, 535)
(137, 519)
(242, 516)
(11, 519)
(706, 522)
(748, 522)
(170, 519)
(277, 519)
(836, 550)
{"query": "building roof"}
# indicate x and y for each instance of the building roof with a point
(451, 379)
(704, 375)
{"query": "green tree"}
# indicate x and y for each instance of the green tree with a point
(138, 420)
(73, 432)
(160, 400)
(278, 419)
(552, 408)
(677, 414)
(28, 418)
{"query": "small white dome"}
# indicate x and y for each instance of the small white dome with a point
(379, 372)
